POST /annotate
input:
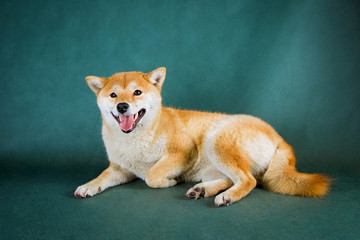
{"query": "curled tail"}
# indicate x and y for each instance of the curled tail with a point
(282, 176)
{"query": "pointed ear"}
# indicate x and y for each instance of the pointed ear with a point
(95, 83)
(157, 77)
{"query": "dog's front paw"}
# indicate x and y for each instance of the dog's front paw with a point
(160, 182)
(87, 190)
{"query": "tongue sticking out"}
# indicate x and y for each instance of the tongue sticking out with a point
(127, 122)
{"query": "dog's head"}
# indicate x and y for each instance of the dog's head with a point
(129, 99)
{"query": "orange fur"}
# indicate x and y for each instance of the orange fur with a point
(282, 176)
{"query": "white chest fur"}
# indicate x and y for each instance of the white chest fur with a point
(134, 152)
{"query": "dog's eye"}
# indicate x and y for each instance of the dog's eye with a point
(113, 95)
(137, 92)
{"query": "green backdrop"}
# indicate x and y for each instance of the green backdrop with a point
(295, 64)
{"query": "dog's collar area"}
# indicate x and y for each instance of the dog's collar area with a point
(128, 123)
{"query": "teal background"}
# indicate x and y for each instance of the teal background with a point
(295, 64)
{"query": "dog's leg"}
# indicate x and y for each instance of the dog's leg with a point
(213, 183)
(224, 152)
(164, 173)
(236, 167)
(112, 176)
(208, 189)
(172, 165)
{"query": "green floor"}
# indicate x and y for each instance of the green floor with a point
(37, 203)
(295, 64)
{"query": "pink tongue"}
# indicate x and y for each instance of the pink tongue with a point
(127, 122)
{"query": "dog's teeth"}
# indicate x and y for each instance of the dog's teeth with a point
(120, 118)
(135, 116)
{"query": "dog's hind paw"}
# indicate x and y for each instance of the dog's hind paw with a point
(223, 200)
(196, 192)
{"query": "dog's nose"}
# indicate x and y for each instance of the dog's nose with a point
(122, 107)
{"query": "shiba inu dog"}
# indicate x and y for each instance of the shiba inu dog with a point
(227, 154)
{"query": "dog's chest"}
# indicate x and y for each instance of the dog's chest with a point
(135, 154)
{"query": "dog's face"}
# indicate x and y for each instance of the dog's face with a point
(130, 99)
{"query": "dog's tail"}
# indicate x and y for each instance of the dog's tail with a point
(282, 176)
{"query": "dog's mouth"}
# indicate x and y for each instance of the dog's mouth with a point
(128, 123)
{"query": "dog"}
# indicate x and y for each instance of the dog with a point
(227, 154)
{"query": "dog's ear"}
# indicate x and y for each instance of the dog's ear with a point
(95, 83)
(157, 77)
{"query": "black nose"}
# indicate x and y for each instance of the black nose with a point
(122, 107)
